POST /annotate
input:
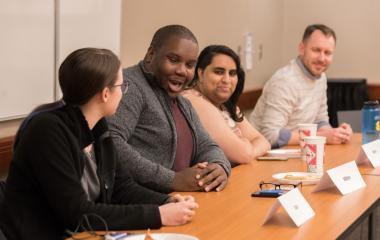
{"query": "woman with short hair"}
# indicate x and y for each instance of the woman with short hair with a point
(65, 166)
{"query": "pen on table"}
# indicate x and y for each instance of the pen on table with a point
(116, 236)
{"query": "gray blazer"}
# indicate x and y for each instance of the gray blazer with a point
(144, 133)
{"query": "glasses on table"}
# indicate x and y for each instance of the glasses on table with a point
(278, 186)
(124, 86)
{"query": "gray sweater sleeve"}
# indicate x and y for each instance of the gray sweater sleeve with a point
(122, 125)
(207, 149)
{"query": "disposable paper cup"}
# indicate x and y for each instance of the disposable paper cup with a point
(315, 151)
(305, 130)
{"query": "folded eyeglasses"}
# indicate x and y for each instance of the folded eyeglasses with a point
(278, 186)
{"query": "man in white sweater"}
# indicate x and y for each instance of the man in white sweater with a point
(296, 93)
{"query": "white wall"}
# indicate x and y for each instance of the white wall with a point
(356, 24)
(277, 25)
(212, 22)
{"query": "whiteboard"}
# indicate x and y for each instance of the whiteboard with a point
(37, 35)
(27, 71)
(88, 23)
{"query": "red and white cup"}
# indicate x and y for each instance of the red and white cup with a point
(306, 130)
(315, 152)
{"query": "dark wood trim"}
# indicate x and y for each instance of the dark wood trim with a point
(374, 91)
(6, 153)
(248, 99)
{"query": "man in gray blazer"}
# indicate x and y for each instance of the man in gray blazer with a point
(156, 131)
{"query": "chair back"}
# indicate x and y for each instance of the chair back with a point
(2, 190)
(2, 236)
(345, 94)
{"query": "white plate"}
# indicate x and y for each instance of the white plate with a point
(163, 236)
(289, 153)
(305, 177)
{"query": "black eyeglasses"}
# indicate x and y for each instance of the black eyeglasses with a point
(273, 185)
(124, 86)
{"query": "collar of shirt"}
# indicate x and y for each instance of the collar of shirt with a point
(305, 70)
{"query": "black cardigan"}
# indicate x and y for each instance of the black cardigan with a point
(44, 196)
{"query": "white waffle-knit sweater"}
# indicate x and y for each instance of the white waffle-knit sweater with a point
(291, 96)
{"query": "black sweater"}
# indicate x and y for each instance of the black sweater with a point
(44, 195)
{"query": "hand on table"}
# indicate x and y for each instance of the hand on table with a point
(339, 135)
(202, 176)
(180, 198)
(185, 180)
(211, 177)
(179, 212)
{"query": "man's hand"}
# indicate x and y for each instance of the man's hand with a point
(202, 176)
(185, 180)
(212, 176)
(348, 131)
(339, 135)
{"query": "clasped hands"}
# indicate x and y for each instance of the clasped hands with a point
(202, 176)
(339, 135)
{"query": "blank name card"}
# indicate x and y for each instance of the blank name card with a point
(345, 177)
(296, 206)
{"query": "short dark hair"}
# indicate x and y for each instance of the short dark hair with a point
(205, 59)
(86, 72)
(321, 27)
(165, 33)
(82, 74)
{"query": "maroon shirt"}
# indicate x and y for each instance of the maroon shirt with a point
(185, 143)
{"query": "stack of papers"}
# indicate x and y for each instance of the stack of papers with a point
(287, 153)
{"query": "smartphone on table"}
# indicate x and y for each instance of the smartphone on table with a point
(270, 193)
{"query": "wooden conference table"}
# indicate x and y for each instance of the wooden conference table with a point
(234, 214)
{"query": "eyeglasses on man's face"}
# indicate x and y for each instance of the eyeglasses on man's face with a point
(273, 185)
(124, 86)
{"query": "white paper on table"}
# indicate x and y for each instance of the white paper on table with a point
(272, 211)
(345, 177)
(362, 157)
(324, 183)
(370, 152)
(295, 205)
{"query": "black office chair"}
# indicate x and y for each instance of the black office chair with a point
(345, 94)
(2, 190)
(2, 237)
